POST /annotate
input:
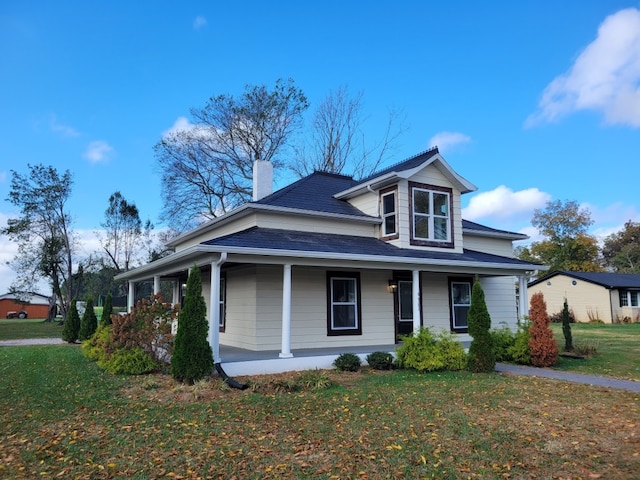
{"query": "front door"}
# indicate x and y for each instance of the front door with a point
(404, 308)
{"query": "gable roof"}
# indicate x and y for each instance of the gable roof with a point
(406, 169)
(484, 231)
(604, 279)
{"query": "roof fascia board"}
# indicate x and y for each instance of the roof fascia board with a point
(507, 236)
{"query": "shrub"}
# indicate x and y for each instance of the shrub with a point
(347, 362)
(89, 322)
(557, 317)
(503, 339)
(426, 352)
(314, 380)
(481, 354)
(107, 310)
(542, 345)
(71, 324)
(129, 361)
(380, 360)
(566, 327)
(192, 358)
(96, 347)
(519, 352)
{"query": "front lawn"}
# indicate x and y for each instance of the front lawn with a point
(61, 416)
(16, 328)
(617, 349)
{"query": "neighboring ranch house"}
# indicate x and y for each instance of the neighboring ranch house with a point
(37, 306)
(610, 297)
(333, 262)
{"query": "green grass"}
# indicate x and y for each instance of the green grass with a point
(60, 416)
(15, 329)
(617, 349)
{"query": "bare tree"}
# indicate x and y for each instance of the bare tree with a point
(43, 231)
(207, 169)
(336, 142)
(124, 231)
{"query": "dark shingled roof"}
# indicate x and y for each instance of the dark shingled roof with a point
(604, 279)
(316, 193)
(407, 164)
(276, 239)
(468, 225)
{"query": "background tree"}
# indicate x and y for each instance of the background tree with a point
(71, 327)
(43, 231)
(336, 142)
(192, 357)
(566, 244)
(542, 346)
(89, 322)
(124, 231)
(481, 356)
(208, 168)
(621, 250)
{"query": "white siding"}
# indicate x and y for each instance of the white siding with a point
(495, 246)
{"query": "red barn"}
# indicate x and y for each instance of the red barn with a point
(38, 305)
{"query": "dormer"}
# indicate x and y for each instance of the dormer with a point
(418, 201)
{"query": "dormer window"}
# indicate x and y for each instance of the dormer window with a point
(389, 212)
(431, 208)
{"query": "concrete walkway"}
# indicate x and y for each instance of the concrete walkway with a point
(31, 341)
(568, 376)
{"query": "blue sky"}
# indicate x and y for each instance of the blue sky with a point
(530, 101)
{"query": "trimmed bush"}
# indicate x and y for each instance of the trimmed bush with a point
(426, 352)
(129, 361)
(542, 345)
(192, 358)
(566, 327)
(107, 310)
(380, 360)
(503, 339)
(481, 353)
(71, 324)
(347, 362)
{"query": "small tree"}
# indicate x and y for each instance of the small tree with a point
(71, 324)
(89, 322)
(192, 357)
(107, 310)
(543, 347)
(482, 357)
(566, 327)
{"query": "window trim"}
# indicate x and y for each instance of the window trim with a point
(450, 282)
(383, 234)
(431, 242)
(626, 299)
(335, 275)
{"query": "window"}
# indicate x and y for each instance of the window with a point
(343, 303)
(629, 298)
(460, 295)
(388, 208)
(431, 216)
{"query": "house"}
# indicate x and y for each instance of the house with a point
(37, 306)
(610, 297)
(352, 265)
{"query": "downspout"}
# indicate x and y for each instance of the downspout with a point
(377, 203)
(214, 325)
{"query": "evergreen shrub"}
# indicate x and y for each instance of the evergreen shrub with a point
(347, 362)
(380, 360)
(426, 352)
(89, 322)
(519, 351)
(71, 326)
(481, 356)
(129, 361)
(542, 345)
(503, 339)
(107, 311)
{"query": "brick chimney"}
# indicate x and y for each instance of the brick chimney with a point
(262, 179)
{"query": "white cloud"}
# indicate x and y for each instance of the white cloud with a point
(98, 151)
(604, 78)
(447, 140)
(504, 203)
(199, 22)
(61, 129)
(181, 124)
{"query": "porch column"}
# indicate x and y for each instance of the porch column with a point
(523, 301)
(131, 300)
(286, 312)
(175, 294)
(214, 310)
(415, 280)
(156, 284)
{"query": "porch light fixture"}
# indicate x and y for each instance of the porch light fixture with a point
(392, 286)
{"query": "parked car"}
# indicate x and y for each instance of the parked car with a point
(20, 314)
